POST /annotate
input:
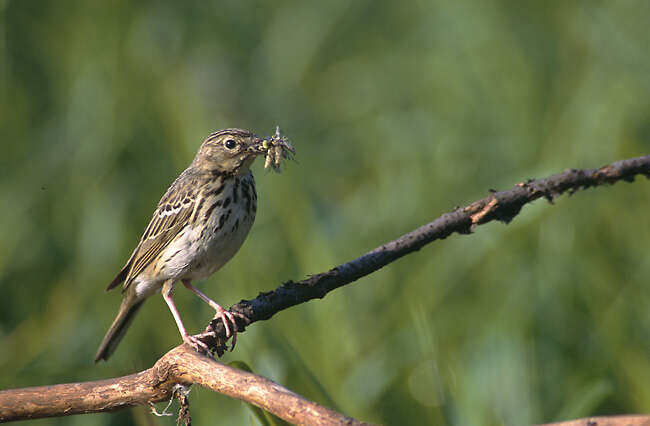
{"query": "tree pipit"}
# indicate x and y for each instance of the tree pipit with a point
(198, 226)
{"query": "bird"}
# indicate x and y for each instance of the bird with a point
(198, 226)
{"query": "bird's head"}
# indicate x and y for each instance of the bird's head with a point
(229, 151)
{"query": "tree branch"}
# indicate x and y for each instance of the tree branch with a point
(502, 206)
(180, 366)
(184, 366)
(606, 421)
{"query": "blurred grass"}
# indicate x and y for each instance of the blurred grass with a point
(399, 112)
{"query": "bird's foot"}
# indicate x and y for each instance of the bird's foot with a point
(228, 319)
(196, 344)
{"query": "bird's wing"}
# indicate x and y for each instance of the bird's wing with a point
(172, 215)
(165, 225)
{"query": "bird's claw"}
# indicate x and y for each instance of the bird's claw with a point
(196, 344)
(228, 319)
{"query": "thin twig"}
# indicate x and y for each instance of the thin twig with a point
(502, 206)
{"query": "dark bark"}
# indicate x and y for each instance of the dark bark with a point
(502, 206)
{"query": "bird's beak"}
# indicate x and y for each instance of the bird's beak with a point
(259, 146)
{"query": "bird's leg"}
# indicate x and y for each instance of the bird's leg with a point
(168, 294)
(226, 316)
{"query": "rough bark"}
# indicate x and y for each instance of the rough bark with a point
(502, 206)
(180, 366)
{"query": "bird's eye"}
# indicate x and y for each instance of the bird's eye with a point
(230, 144)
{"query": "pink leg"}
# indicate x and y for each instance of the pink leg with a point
(227, 317)
(168, 293)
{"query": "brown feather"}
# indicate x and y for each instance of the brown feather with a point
(166, 223)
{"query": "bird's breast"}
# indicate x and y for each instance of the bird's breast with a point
(220, 227)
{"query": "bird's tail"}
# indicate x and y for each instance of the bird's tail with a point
(124, 318)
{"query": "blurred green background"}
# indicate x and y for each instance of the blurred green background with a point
(399, 111)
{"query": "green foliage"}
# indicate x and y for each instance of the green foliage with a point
(399, 111)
